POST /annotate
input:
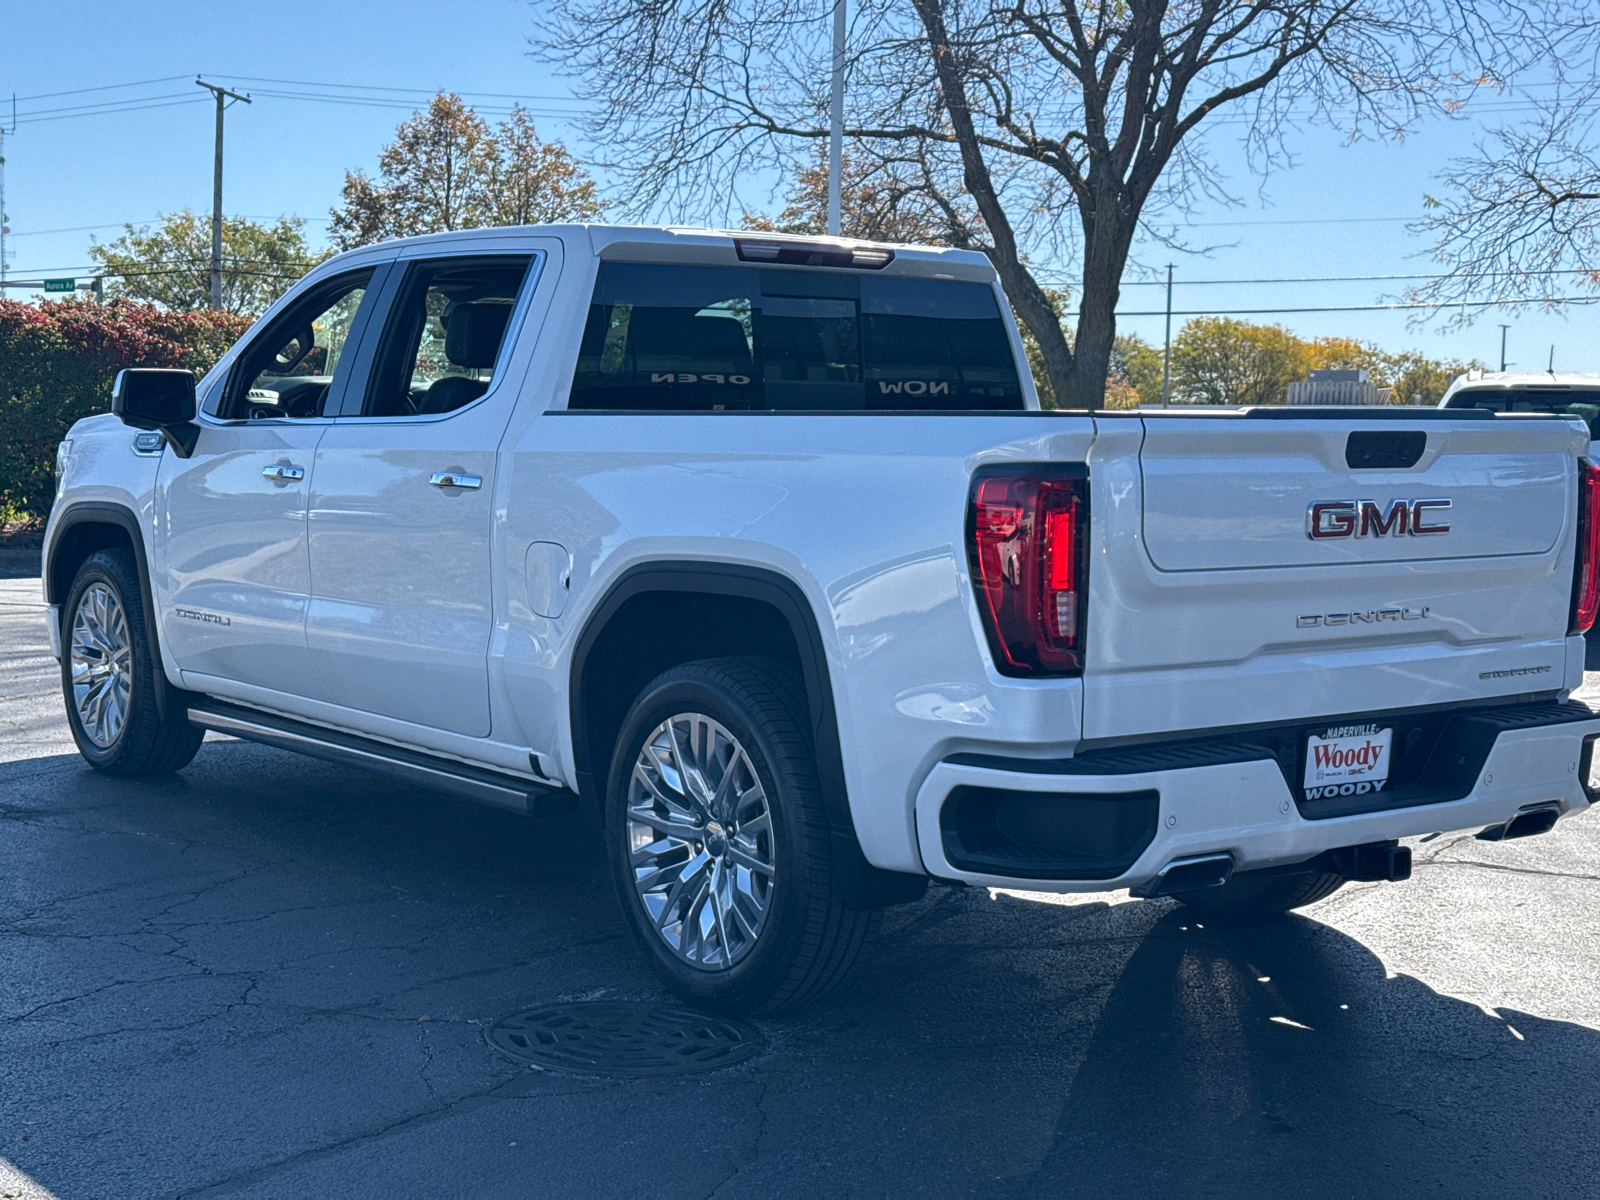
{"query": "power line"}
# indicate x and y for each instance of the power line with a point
(104, 112)
(365, 87)
(1342, 278)
(1262, 312)
(99, 104)
(363, 95)
(1284, 221)
(108, 87)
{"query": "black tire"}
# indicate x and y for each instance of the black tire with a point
(809, 939)
(1255, 896)
(144, 744)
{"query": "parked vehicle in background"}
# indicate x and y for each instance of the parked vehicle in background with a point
(1565, 393)
(761, 548)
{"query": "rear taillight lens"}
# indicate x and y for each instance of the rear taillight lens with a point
(1028, 534)
(1586, 581)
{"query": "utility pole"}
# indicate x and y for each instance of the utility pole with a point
(5, 225)
(1503, 329)
(836, 125)
(5, 221)
(223, 95)
(1166, 358)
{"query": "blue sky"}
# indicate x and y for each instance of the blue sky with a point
(1342, 210)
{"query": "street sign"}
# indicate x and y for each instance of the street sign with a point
(60, 285)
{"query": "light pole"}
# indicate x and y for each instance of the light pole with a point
(1503, 329)
(1166, 357)
(836, 124)
(223, 95)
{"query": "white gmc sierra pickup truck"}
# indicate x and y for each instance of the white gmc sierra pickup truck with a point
(761, 549)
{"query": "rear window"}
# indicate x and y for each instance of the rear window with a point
(1577, 402)
(671, 338)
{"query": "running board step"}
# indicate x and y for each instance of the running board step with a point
(412, 766)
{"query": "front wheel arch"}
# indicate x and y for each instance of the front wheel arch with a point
(82, 529)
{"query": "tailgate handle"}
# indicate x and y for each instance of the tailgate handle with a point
(1384, 449)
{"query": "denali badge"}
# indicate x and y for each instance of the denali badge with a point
(190, 614)
(1372, 616)
(1363, 518)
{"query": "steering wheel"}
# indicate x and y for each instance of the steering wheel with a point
(294, 351)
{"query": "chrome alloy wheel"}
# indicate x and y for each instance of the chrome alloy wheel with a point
(102, 665)
(700, 841)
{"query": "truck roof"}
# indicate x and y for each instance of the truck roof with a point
(1504, 381)
(683, 243)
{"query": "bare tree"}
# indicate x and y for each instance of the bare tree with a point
(1519, 223)
(1021, 114)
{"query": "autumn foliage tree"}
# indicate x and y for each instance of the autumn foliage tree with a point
(882, 199)
(447, 169)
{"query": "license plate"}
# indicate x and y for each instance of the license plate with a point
(1347, 760)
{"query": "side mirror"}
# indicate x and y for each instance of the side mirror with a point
(158, 398)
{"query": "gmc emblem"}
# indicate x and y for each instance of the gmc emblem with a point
(1363, 518)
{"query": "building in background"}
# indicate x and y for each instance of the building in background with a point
(1339, 387)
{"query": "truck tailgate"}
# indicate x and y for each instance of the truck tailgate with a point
(1301, 565)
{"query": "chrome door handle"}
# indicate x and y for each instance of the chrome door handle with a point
(279, 473)
(443, 479)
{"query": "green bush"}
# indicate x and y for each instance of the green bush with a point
(57, 362)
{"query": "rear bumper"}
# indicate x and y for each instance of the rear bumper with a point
(1243, 806)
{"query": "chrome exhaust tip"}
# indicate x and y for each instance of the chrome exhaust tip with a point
(1187, 875)
(1531, 820)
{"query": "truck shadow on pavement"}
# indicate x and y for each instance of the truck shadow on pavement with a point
(1282, 1059)
(178, 955)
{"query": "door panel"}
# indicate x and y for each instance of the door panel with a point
(233, 577)
(233, 574)
(401, 514)
(401, 612)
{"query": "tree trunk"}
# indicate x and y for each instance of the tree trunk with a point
(1106, 245)
(1058, 358)
(1091, 364)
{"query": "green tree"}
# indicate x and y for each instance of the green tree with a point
(1217, 360)
(446, 169)
(171, 264)
(1135, 373)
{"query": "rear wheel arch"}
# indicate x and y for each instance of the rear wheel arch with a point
(659, 615)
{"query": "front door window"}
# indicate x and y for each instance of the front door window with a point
(288, 370)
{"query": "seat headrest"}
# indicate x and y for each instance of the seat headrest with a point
(472, 334)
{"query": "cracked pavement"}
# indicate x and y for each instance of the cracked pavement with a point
(268, 976)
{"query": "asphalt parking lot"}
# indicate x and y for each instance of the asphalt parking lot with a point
(271, 977)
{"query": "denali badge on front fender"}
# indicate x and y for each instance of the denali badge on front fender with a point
(1330, 519)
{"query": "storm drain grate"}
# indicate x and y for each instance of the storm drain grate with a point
(623, 1040)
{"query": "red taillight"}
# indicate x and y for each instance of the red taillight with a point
(1029, 531)
(1586, 582)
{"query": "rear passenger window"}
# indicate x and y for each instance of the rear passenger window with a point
(444, 335)
(663, 337)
